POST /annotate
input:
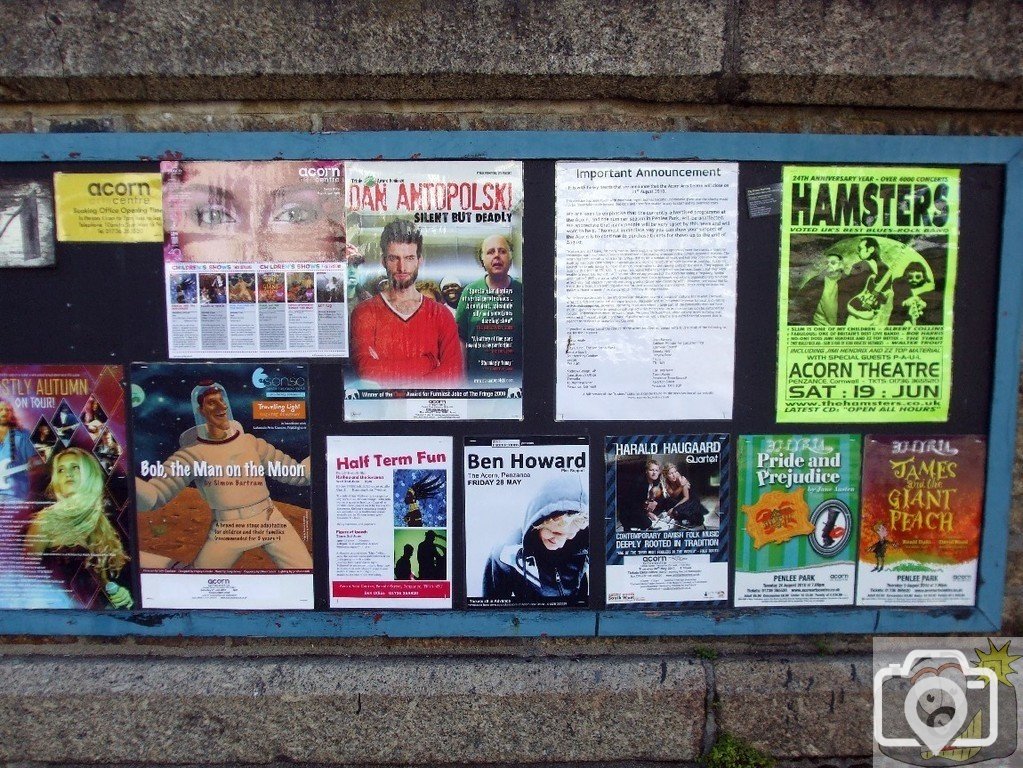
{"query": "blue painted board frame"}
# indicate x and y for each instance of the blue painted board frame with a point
(920, 150)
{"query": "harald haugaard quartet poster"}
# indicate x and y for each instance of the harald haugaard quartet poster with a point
(868, 273)
(668, 501)
(222, 485)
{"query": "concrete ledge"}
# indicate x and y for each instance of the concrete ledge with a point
(335, 710)
(588, 114)
(346, 86)
(901, 91)
(799, 708)
(965, 54)
(909, 54)
(175, 49)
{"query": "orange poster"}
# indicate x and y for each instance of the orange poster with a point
(923, 500)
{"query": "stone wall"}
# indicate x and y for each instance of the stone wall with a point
(842, 66)
(431, 702)
(956, 55)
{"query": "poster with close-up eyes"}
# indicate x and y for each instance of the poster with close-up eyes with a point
(436, 296)
(255, 258)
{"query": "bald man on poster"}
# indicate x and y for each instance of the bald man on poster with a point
(489, 317)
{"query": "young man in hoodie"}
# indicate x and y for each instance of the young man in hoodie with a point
(547, 561)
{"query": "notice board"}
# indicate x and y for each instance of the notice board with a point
(726, 388)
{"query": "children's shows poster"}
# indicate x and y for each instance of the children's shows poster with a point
(868, 268)
(436, 301)
(798, 513)
(255, 258)
(667, 501)
(26, 218)
(923, 503)
(222, 485)
(65, 514)
(527, 521)
(389, 521)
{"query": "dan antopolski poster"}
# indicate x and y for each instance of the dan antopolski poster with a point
(436, 310)
(389, 521)
(646, 271)
(527, 521)
(667, 522)
(868, 268)
(65, 512)
(222, 485)
(798, 512)
(923, 504)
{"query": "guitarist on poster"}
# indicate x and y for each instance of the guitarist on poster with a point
(872, 306)
(16, 452)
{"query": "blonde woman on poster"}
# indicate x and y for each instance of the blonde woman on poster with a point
(73, 537)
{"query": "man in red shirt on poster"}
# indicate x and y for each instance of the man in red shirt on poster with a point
(401, 337)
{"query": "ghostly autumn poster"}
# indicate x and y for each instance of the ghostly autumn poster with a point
(922, 506)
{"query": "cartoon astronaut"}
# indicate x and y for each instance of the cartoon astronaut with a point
(244, 515)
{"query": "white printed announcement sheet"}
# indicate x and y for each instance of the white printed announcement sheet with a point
(646, 270)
